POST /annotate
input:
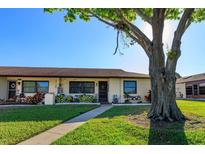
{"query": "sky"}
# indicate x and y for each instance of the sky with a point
(30, 37)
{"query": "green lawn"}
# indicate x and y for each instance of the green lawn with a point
(18, 124)
(128, 125)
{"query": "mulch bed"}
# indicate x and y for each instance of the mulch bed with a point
(192, 122)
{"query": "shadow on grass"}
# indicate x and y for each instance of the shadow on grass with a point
(165, 133)
(160, 133)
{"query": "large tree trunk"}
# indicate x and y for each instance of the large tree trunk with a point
(163, 96)
(163, 84)
(162, 75)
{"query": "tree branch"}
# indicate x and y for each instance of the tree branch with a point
(157, 33)
(143, 15)
(117, 42)
(188, 24)
(158, 25)
(183, 24)
(147, 51)
(103, 20)
(142, 39)
(136, 34)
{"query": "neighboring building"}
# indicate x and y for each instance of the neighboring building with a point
(191, 86)
(103, 83)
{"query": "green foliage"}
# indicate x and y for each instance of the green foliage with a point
(60, 98)
(148, 11)
(86, 98)
(82, 98)
(198, 15)
(68, 99)
(173, 14)
(171, 54)
(111, 15)
(63, 98)
(86, 13)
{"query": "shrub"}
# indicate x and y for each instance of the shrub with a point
(2, 101)
(87, 98)
(148, 97)
(76, 100)
(35, 99)
(38, 97)
(68, 99)
(60, 98)
(29, 99)
(82, 98)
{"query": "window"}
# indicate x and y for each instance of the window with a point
(202, 89)
(130, 87)
(35, 86)
(29, 87)
(42, 86)
(189, 90)
(82, 87)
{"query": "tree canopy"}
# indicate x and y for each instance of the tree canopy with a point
(130, 14)
(123, 20)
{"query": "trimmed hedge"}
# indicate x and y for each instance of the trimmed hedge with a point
(82, 98)
(86, 98)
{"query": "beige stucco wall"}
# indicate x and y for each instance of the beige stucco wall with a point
(143, 86)
(114, 89)
(52, 83)
(3, 87)
(180, 89)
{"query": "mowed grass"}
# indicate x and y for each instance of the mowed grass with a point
(113, 127)
(18, 124)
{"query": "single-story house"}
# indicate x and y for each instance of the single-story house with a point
(191, 86)
(104, 84)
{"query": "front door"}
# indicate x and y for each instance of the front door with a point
(12, 89)
(103, 92)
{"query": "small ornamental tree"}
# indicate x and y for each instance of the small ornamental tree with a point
(161, 69)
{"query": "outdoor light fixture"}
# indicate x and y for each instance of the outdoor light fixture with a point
(19, 82)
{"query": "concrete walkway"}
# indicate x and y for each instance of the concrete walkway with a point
(54, 133)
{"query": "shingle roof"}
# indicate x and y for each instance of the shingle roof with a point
(197, 77)
(67, 72)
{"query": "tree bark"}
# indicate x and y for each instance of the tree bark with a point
(163, 96)
(163, 80)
